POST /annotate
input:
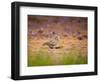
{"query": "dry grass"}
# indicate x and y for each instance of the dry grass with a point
(73, 51)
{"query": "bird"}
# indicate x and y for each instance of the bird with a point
(52, 45)
(53, 42)
(49, 44)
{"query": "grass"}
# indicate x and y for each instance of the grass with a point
(73, 52)
(39, 59)
(44, 58)
(74, 58)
